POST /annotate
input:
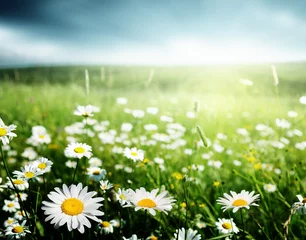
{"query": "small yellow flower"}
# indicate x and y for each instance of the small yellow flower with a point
(177, 175)
(216, 183)
(257, 166)
(183, 205)
(202, 205)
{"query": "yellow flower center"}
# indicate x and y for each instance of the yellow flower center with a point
(11, 205)
(122, 196)
(10, 221)
(146, 202)
(304, 200)
(227, 225)
(2, 132)
(85, 114)
(42, 136)
(18, 181)
(42, 165)
(239, 203)
(96, 172)
(72, 206)
(134, 154)
(105, 224)
(79, 150)
(153, 238)
(29, 174)
(18, 229)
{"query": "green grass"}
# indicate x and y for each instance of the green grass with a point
(48, 96)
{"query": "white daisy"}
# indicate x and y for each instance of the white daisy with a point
(121, 196)
(121, 100)
(141, 199)
(10, 206)
(78, 150)
(20, 215)
(105, 227)
(20, 183)
(226, 226)
(43, 164)
(237, 201)
(73, 206)
(96, 173)
(6, 133)
(9, 222)
(28, 172)
(16, 230)
(133, 237)
(300, 207)
(180, 234)
(105, 185)
(95, 162)
(270, 187)
(85, 111)
(133, 154)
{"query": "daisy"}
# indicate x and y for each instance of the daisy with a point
(105, 227)
(270, 187)
(121, 196)
(73, 205)
(121, 100)
(133, 154)
(126, 127)
(9, 222)
(141, 199)
(303, 100)
(16, 230)
(6, 133)
(300, 207)
(22, 196)
(226, 226)
(85, 111)
(43, 164)
(28, 172)
(20, 215)
(246, 82)
(10, 206)
(95, 162)
(78, 150)
(39, 136)
(152, 110)
(105, 185)
(29, 153)
(96, 173)
(133, 237)
(237, 201)
(20, 183)
(191, 234)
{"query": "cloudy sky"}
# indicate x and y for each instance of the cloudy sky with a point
(151, 31)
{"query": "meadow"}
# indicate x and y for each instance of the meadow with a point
(200, 132)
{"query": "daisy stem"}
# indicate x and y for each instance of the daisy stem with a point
(243, 230)
(15, 189)
(75, 170)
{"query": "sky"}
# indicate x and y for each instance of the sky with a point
(151, 32)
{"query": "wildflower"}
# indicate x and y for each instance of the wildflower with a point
(201, 225)
(20, 183)
(270, 187)
(29, 153)
(22, 196)
(16, 230)
(9, 222)
(244, 199)
(6, 133)
(78, 150)
(105, 227)
(85, 111)
(141, 199)
(105, 185)
(138, 113)
(39, 136)
(73, 206)
(226, 226)
(96, 173)
(190, 114)
(214, 163)
(152, 237)
(121, 100)
(133, 237)
(95, 162)
(28, 172)
(70, 164)
(292, 114)
(152, 110)
(303, 100)
(150, 127)
(300, 207)
(126, 127)
(121, 196)
(43, 164)
(10, 206)
(177, 175)
(180, 234)
(133, 154)
(282, 123)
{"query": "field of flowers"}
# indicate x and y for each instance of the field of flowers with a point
(160, 153)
